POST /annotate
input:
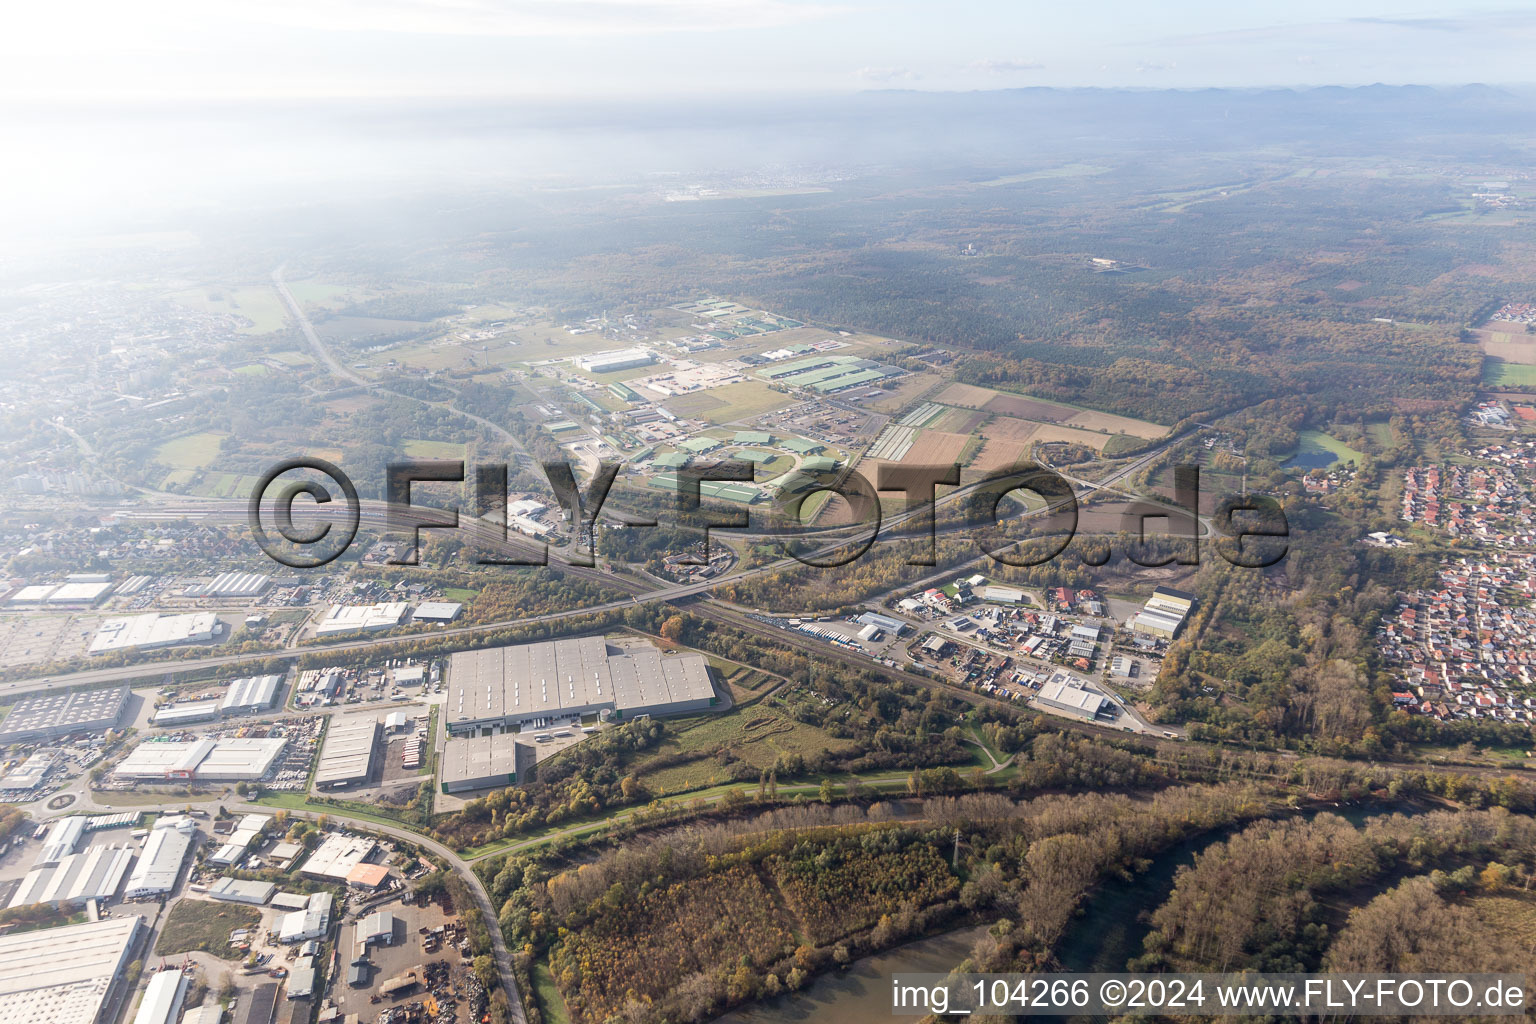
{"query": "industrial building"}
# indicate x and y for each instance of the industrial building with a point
(204, 760)
(250, 695)
(482, 761)
(310, 923)
(162, 998)
(238, 890)
(62, 839)
(151, 631)
(336, 858)
(52, 715)
(301, 979)
(75, 878)
(31, 773)
(350, 750)
(437, 611)
(377, 929)
(230, 585)
(350, 618)
(618, 359)
(67, 975)
(885, 623)
(165, 851)
(1071, 695)
(505, 688)
(172, 716)
(1164, 613)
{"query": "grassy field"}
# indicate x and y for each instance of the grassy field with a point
(551, 1003)
(1315, 443)
(204, 925)
(190, 451)
(1497, 372)
(418, 449)
(757, 735)
(731, 403)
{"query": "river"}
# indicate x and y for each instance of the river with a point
(1103, 937)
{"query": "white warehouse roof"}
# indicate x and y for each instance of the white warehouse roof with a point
(63, 975)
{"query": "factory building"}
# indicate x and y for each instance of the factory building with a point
(884, 623)
(483, 762)
(250, 695)
(204, 760)
(310, 923)
(237, 890)
(152, 631)
(618, 359)
(165, 851)
(352, 618)
(1164, 613)
(75, 879)
(350, 750)
(377, 929)
(1071, 695)
(162, 998)
(338, 856)
(173, 716)
(31, 773)
(534, 685)
(52, 715)
(67, 975)
(62, 839)
(437, 611)
(230, 585)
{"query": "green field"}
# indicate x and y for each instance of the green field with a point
(1315, 444)
(252, 370)
(204, 925)
(757, 735)
(730, 404)
(259, 304)
(418, 449)
(1497, 372)
(190, 451)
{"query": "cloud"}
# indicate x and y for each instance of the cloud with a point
(513, 18)
(1426, 24)
(1004, 67)
(1151, 66)
(887, 75)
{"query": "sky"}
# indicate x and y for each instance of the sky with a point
(109, 50)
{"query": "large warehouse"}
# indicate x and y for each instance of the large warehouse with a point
(50, 715)
(351, 747)
(483, 762)
(618, 359)
(250, 695)
(66, 975)
(504, 688)
(1073, 696)
(204, 760)
(1164, 612)
(76, 879)
(231, 584)
(152, 631)
(160, 864)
